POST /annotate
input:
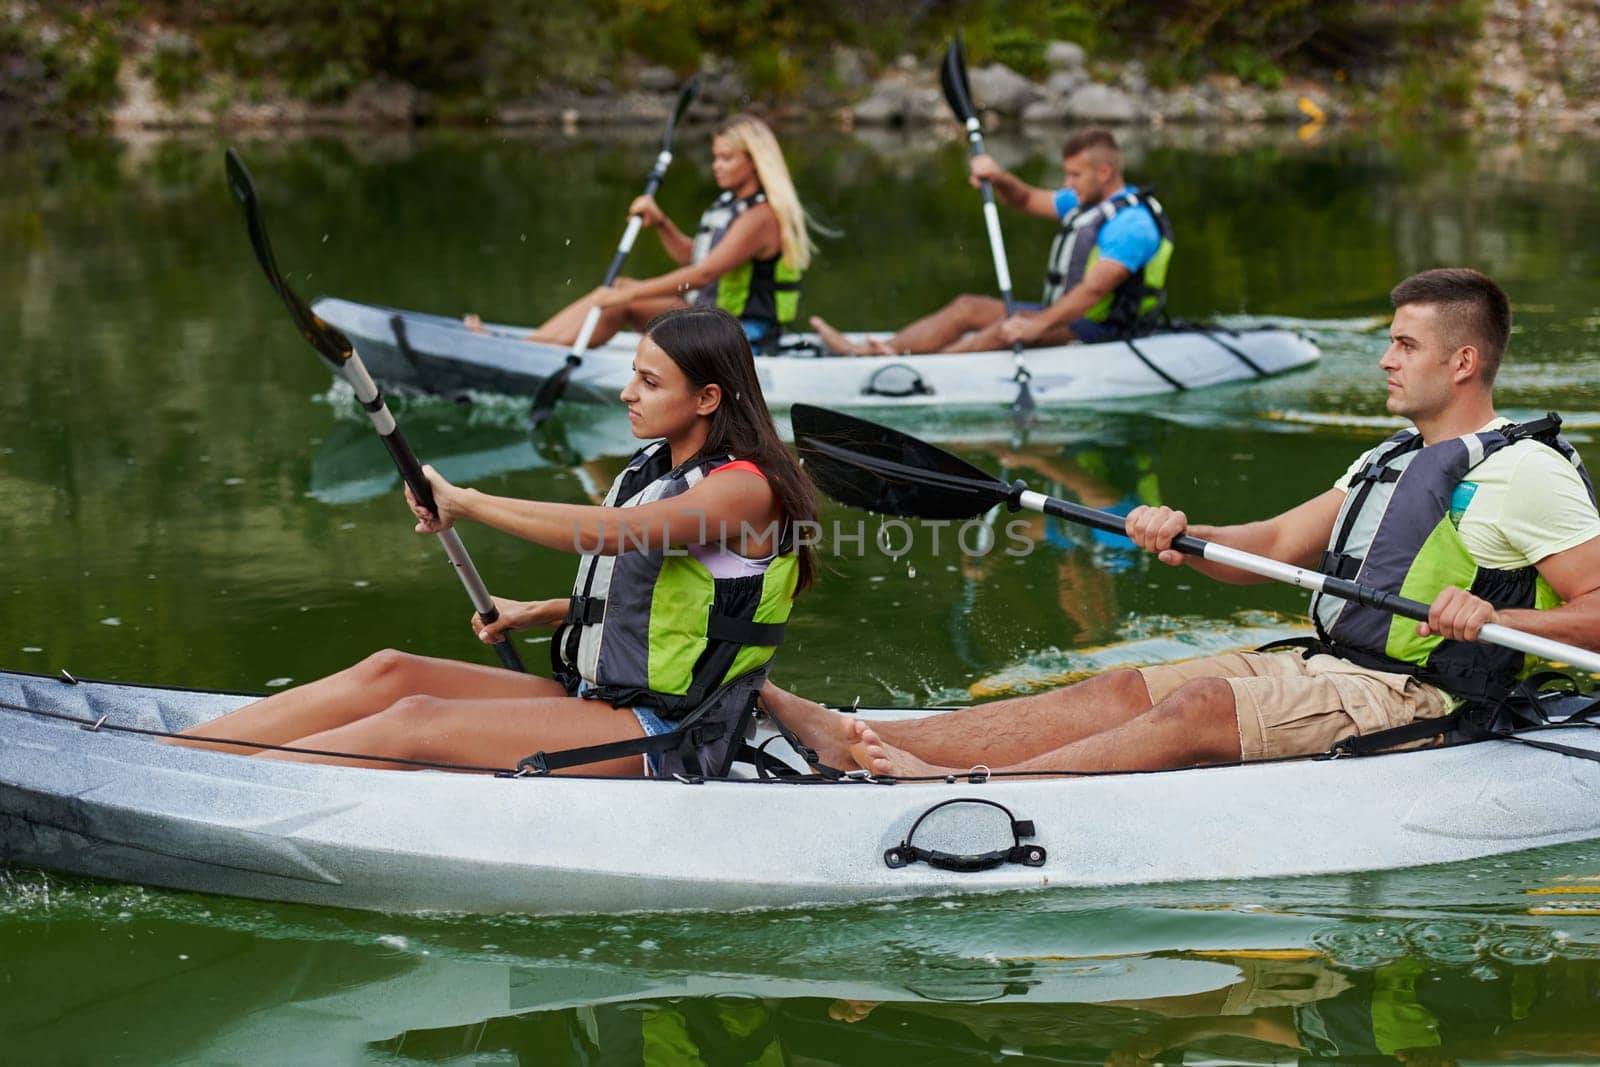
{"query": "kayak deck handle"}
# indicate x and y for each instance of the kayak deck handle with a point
(906, 853)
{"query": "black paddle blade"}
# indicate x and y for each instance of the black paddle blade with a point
(864, 465)
(544, 403)
(1024, 406)
(685, 98)
(953, 80)
(329, 343)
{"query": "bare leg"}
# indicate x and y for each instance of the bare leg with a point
(1197, 724)
(1001, 733)
(940, 331)
(836, 341)
(1005, 732)
(937, 332)
(484, 733)
(990, 339)
(365, 689)
(563, 327)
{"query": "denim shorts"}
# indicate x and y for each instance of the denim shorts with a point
(652, 724)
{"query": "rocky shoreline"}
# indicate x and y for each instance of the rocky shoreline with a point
(1536, 64)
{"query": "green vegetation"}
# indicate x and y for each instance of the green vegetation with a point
(468, 55)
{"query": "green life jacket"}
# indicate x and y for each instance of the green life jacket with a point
(766, 291)
(1137, 301)
(651, 626)
(698, 1032)
(1397, 531)
(1377, 1016)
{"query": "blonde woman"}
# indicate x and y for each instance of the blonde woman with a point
(746, 256)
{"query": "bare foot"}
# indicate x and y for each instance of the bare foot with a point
(829, 732)
(851, 1011)
(837, 341)
(871, 753)
(472, 322)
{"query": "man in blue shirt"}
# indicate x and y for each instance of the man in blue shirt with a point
(1105, 276)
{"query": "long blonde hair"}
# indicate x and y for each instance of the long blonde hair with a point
(755, 138)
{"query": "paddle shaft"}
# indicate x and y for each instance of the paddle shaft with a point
(551, 391)
(954, 81)
(624, 246)
(335, 349)
(405, 460)
(1315, 581)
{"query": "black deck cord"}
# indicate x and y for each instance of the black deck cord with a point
(974, 774)
(1209, 332)
(1169, 379)
(1206, 331)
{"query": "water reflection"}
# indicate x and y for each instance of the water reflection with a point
(185, 505)
(1256, 972)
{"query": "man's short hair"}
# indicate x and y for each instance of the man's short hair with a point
(1094, 138)
(1476, 309)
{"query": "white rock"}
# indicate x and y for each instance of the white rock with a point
(1104, 103)
(999, 88)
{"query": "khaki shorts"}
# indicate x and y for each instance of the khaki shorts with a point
(1288, 983)
(1288, 705)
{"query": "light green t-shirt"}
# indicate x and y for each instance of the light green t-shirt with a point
(1519, 506)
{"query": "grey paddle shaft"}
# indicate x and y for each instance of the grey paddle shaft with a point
(624, 246)
(355, 372)
(1315, 581)
(997, 244)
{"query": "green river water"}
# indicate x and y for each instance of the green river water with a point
(187, 502)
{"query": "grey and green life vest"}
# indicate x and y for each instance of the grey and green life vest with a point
(651, 626)
(760, 290)
(1076, 247)
(1397, 531)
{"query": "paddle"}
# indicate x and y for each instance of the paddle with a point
(554, 386)
(865, 465)
(336, 350)
(957, 93)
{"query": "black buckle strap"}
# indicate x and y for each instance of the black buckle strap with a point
(1375, 472)
(684, 735)
(1340, 565)
(744, 631)
(1538, 429)
(1367, 744)
(586, 610)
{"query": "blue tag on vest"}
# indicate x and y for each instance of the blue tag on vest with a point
(1459, 501)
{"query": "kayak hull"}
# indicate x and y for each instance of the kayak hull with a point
(440, 355)
(119, 806)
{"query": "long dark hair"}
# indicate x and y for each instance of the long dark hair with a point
(710, 346)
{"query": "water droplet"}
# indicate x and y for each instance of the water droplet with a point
(278, 683)
(111, 620)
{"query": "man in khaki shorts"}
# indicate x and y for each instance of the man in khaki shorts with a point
(1466, 501)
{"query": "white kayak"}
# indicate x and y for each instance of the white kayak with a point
(78, 793)
(437, 354)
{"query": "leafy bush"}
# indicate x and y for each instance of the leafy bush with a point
(174, 66)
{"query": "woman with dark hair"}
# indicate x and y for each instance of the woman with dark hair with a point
(687, 574)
